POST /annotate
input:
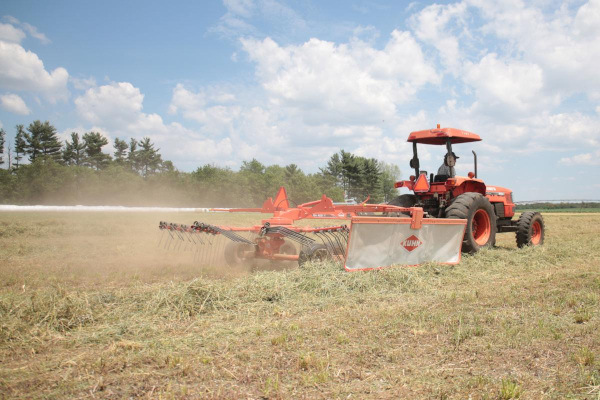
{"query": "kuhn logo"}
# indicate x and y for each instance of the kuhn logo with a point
(411, 243)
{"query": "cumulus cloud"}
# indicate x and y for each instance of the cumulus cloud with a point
(351, 83)
(510, 84)
(563, 42)
(9, 33)
(117, 110)
(22, 70)
(116, 104)
(437, 25)
(14, 103)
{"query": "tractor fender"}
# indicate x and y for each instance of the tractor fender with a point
(468, 186)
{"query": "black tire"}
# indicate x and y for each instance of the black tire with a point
(474, 206)
(234, 253)
(530, 229)
(288, 248)
(404, 200)
(313, 252)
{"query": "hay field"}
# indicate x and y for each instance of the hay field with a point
(90, 307)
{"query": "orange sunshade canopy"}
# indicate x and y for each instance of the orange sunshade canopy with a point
(440, 135)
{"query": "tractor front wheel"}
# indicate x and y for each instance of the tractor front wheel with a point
(530, 229)
(481, 220)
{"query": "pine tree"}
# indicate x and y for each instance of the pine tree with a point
(371, 180)
(19, 144)
(74, 152)
(120, 150)
(2, 136)
(42, 140)
(148, 157)
(132, 157)
(291, 171)
(94, 142)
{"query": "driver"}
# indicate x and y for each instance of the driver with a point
(447, 167)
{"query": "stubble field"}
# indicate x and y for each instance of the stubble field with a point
(91, 307)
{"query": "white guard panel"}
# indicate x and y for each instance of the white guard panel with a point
(383, 244)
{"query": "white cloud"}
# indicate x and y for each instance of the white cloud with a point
(187, 101)
(565, 46)
(83, 83)
(350, 83)
(14, 103)
(9, 33)
(23, 70)
(589, 159)
(116, 110)
(116, 104)
(434, 24)
(244, 8)
(247, 17)
(512, 84)
(32, 30)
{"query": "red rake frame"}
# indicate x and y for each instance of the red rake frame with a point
(273, 239)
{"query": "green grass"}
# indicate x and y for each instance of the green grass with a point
(91, 307)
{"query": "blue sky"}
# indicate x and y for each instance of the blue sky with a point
(294, 82)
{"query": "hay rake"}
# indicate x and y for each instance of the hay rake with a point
(362, 246)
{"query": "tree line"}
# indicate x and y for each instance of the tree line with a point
(38, 168)
(557, 206)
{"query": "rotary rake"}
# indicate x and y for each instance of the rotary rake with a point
(379, 235)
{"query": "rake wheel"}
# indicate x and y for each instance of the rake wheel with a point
(314, 252)
(235, 253)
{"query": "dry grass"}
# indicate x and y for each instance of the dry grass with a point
(90, 307)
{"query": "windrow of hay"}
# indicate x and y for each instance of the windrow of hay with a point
(316, 285)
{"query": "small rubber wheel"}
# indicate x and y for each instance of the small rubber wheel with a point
(404, 200)
(481, 220)
(314, 252)
(235, 253)
(530, 229)
(288, 248)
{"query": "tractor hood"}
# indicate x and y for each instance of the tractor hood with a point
(439, 136)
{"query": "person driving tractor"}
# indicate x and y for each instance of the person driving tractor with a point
(447, 167)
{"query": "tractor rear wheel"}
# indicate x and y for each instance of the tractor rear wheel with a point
(481, 220)
(404, 200)
(530, 229)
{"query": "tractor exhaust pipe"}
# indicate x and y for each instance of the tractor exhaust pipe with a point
(475, 158)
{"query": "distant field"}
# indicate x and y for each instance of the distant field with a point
(563, 210)
(91, 307)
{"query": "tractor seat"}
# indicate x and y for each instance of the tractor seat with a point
(441, 178)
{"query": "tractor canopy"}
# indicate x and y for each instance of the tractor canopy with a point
(440, 136)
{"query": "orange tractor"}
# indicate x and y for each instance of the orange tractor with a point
(487, 209)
